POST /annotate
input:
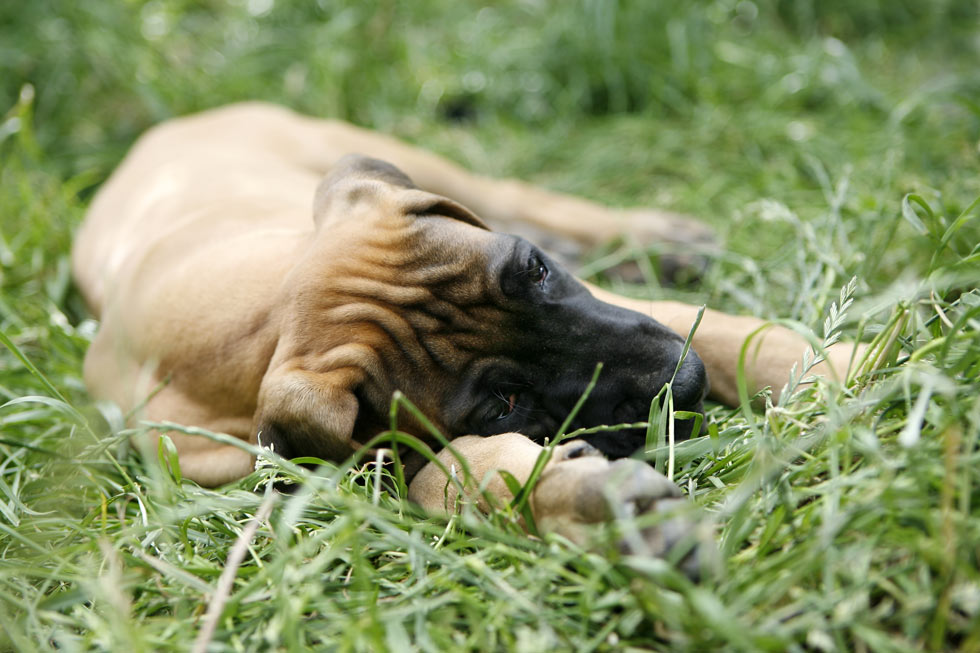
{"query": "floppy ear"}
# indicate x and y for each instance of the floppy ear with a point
(420, 202)
(302, 413)
(357, 179)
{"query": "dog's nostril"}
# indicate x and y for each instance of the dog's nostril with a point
(690, 384)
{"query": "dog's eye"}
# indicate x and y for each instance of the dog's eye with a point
(536, 270)
(503, 409)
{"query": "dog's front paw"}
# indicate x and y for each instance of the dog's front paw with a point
(653, 517)
(578, 492)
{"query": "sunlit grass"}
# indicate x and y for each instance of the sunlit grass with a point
(825, 142)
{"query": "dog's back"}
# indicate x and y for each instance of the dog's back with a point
(212, 167)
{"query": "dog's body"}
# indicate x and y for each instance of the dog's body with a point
(217, 288)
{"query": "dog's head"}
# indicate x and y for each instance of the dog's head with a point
(404, 290)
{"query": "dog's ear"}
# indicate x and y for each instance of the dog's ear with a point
(303, 413)
(420, 202)
(358, 179)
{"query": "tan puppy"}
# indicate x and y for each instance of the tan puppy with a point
(285, 310)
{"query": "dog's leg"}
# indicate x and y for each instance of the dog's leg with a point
(507, 204)
(563, 224)
(719, 339)
(578, 488)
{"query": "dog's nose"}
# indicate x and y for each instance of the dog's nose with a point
(690, 383)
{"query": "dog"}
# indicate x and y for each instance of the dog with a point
(277, 278)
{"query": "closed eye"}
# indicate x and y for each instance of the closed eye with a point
(505, 406)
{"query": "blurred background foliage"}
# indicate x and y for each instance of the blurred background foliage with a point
(105, 71)
(700, 107)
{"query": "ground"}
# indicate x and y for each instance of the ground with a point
(832, 145)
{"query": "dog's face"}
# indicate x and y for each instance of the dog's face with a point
(404, 290)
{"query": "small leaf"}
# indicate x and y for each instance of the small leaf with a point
(908, 212)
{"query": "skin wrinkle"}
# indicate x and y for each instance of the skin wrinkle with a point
(443, 339)
(404, 297)
(379, 290)
(424, 342)
(396, 328)
(354, 354)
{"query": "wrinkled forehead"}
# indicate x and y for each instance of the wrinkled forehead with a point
(435, 307)
(439, 240)
(425, 265)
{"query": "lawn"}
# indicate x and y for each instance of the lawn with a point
(832, 145)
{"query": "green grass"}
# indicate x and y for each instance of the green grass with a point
(825, 141)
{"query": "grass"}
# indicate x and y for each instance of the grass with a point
(824, 141)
